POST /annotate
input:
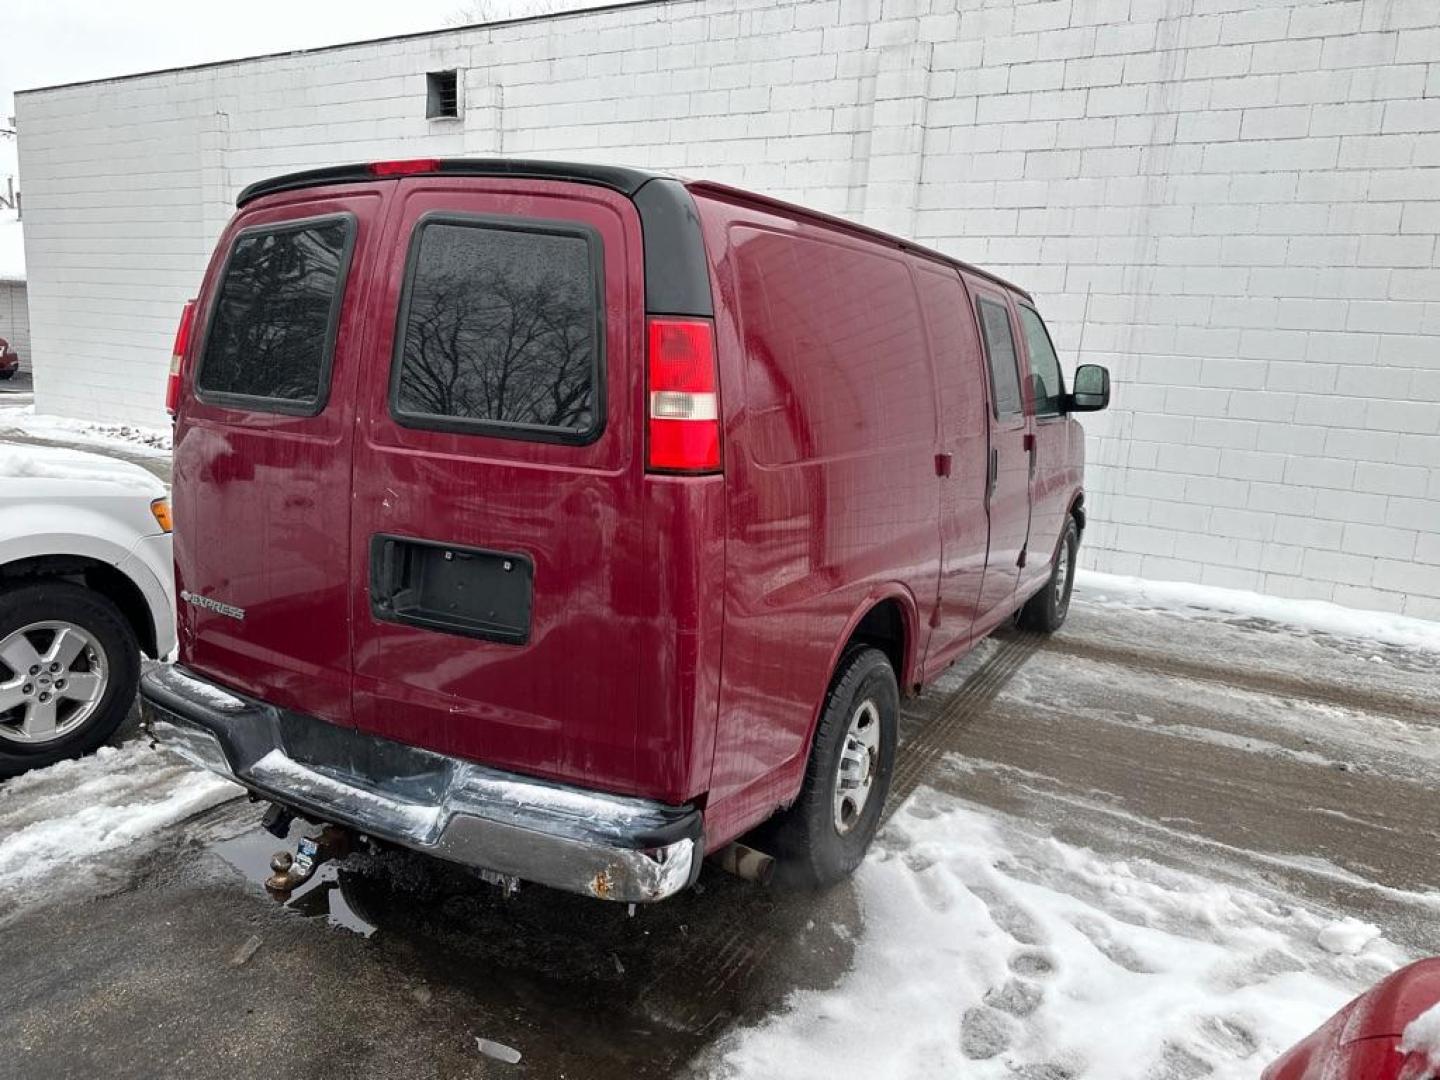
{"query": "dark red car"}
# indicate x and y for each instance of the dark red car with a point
(9, 360)
(1362, 1041)
(570, 522)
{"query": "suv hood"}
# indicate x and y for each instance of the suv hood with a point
(29, 471)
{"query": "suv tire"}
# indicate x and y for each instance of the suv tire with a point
(824, 834)
(110, 652)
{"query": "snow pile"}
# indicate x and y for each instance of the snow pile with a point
(56, 823)
(1181, 597)
(25, 419)
(1347, 937)
(1422, 1036)
(57, 463)
(991, 952)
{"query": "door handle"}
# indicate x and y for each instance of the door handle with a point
(994, 475)
(1030, 449)
(942, 464)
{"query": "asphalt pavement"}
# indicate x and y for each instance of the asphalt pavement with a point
(1287, 761)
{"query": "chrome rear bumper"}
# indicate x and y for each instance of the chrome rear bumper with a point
(609, 846)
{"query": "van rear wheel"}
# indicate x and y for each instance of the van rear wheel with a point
(823, 836)
(1046, 610)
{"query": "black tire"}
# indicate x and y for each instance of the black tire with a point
(810, 850)
(1045, 611)
(60, 600)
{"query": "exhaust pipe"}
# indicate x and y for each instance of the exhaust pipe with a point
(745, 862)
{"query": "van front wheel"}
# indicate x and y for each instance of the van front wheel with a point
(1046, 610)
(823, 836)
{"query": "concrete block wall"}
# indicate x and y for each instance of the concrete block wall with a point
(15, 320)
(1234, 203)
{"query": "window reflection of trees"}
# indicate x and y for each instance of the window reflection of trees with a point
(500, 327)
(273, 313)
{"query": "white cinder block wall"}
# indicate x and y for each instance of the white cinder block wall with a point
(1234, 203)
(15, 320)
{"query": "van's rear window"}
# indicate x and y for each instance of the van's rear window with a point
(278, 304)
(500, 330)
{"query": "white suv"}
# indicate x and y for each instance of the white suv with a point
(86, 587)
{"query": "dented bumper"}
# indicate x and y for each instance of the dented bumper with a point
(609, 846)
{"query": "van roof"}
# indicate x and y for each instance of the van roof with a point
(795, 210)
(619, 178)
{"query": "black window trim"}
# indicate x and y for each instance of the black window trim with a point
(503, 429)
(1059, 371)
(285, 406)
(981, 298)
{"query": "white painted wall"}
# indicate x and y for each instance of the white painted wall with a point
(15, 320)
(1234, 203)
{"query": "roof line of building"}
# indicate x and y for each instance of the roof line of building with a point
(618, 5)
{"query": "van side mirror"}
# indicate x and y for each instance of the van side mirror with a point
(1091, 391)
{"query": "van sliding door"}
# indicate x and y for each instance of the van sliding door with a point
(1008, 488)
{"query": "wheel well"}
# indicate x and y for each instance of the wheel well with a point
(884, 628)
(93, 574)
(1077, 511)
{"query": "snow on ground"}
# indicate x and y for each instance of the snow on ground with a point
(993, 951)
(1319, 615)
(1308, 732)
(57, 825)
(1347, 937)
(126, 436)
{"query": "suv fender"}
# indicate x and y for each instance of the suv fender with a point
(107, 543)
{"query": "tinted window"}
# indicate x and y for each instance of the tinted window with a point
(500, 329)
(1000, 351)
(1045, 378)
(275, 314)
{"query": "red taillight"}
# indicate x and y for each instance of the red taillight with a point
(684, 405)
(177, 357)
(411, 167)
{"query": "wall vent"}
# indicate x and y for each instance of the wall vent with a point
(442, 95)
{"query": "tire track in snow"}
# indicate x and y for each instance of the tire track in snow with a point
(937, 736)
(733, 949)
(1359, 699)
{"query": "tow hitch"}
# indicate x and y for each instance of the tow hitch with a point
(311, 853)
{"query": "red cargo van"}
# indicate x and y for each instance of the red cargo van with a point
(570, 522)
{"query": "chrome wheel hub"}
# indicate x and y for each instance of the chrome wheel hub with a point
(53, 675)
(859, 758)
(1062, 572)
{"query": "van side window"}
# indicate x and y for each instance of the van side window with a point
(1045, 377)
(276, 310)
(1000, 352)
(501, 330)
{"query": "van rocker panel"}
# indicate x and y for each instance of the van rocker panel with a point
(609, 846)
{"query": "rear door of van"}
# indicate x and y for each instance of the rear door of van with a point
(496, 542)
(263, 446)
